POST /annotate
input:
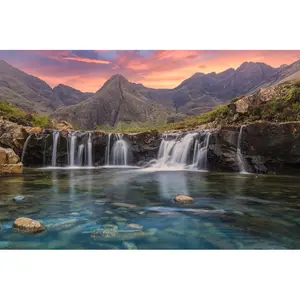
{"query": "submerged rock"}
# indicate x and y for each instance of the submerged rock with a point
(19, 198)
(184, 199)
(113, 234)
(28, 225)
(135, 226)
(121, 204)
(130, 246)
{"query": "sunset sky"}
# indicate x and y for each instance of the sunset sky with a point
(87, 70)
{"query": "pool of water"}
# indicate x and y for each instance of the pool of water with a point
(92, 209)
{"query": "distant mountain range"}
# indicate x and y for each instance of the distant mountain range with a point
(119, 100)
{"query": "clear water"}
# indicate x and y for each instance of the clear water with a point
(84, 209)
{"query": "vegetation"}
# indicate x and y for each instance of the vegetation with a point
(16, 114)
(282, 106)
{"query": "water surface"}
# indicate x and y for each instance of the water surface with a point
(91, 208)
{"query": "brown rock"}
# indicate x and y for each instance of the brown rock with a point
(184, 199)
(13, 135)
(2, 156)
(12, 157)
(35, 130)
(135, 226)
(11, 168)
(61, 125)
(8, 156)
(28, 225)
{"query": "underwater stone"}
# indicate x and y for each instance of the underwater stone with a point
(124, 205)
(19, 198)
(130, 246)
(135, 226)
(184, 199)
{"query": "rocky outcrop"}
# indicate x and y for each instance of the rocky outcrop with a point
(265, 146)
(9, 162)
(13, 135)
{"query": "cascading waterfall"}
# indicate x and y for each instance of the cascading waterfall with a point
(240, 157)
(120, 151)
(25, 147)
(200, 153)
(73, 140)
(90, 152)
(55, 135)
(176, 152)
(107, 150)
(80, 154)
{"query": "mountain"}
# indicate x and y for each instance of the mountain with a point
(25, 91)
(33, 94)
(122, 101)
(117, 101)
(69, 96)
(202, 92)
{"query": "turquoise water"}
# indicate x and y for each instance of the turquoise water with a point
(92, 208)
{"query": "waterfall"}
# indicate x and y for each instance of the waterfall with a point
(90, 148)
(240, 157)
(107, 151)
(164, 152)
(25, 147)
(177, 152)
(55, 135)
(120, 151)
(80, 154)
(182, 149)
(200, 153)
(73, 140)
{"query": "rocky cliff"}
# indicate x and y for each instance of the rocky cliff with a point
(264, 146)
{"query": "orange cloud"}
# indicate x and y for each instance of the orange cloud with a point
(87, 60)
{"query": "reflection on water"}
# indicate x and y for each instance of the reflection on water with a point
(172, 183)
(91, 209)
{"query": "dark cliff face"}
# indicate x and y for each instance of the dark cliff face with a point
(266, 147)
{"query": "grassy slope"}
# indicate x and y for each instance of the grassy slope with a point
(283, 106)
(8, 110)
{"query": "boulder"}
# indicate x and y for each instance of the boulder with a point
(9, 162)
(28, 225)
(61, 125)
(8, 156)
(11, 168)
(184, 199)
(13, 135)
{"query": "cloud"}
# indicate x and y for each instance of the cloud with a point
(87, 70)
(86, 60)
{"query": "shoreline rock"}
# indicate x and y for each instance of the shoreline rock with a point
(28, 225)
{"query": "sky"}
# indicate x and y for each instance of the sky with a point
(87, 70)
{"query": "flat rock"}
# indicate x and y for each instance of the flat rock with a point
(184, 199)
(28, 225)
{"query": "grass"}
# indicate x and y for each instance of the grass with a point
(36, 120)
